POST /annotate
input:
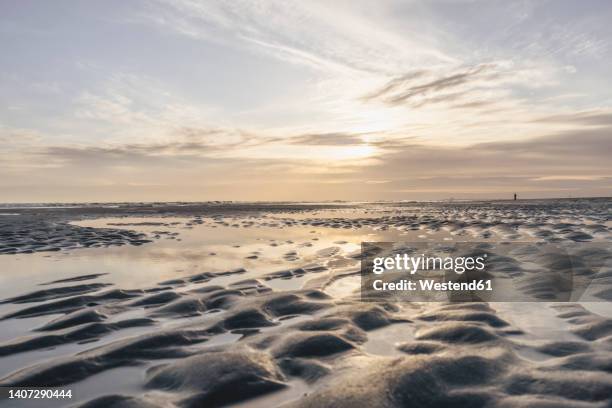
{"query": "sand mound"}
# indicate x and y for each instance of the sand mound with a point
(48, 294)
(216, 379)
(415, 381)
(458, 333)
(311, 345)
(128, 351)
(119, 401)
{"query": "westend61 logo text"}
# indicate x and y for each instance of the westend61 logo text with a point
(412, 264)
(429, 271)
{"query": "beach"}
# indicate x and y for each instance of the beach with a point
(260, 304)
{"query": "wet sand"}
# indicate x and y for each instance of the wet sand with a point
(259, 305)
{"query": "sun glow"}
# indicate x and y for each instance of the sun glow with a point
(368, 120)
(310, 153)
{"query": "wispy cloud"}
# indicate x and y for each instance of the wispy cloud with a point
(252, 99)
(327, 139)
(486, 87)
(322, 34)
(588, 118)
(405, 88)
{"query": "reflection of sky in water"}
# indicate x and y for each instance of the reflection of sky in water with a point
(135, 266)
(138, 266)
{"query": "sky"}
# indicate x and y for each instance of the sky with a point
(184, 100)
